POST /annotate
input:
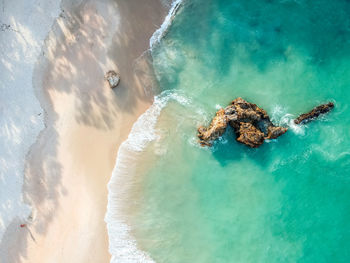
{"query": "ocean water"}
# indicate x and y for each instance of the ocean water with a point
(287, 201)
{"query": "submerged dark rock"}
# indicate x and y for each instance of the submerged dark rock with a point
(251, 124)
(314, 113)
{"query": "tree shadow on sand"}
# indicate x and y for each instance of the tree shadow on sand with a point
(77, 53)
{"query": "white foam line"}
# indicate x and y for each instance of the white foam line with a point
(121, 245)
(161, 32)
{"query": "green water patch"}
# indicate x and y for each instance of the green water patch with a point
(287, 201)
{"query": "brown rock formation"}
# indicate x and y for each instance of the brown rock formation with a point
(216, 129)
(251, 124)
(314, 113)
(249, 135)
(274, 132)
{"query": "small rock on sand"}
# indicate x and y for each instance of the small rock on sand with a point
(113, 78)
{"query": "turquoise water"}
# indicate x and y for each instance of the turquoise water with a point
(288, 201)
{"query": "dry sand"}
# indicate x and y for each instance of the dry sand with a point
(69, 166)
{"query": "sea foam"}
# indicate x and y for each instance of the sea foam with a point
(279, 200)
(161, 32)
(121, 245)
(281, 117)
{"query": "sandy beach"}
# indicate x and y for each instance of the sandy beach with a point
(69, 166)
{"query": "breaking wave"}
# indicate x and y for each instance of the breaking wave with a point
(122, 247)
(161, 32)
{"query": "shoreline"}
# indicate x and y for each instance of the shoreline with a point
(125, 177)
(123, 245)
(69, 166)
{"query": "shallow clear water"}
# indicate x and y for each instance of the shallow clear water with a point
(288, 201)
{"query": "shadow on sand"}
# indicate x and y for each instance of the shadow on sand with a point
(81, 46)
